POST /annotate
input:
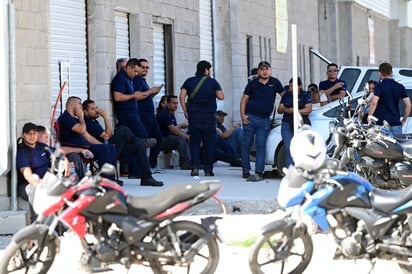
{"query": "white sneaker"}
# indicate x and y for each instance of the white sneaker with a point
(157, 170)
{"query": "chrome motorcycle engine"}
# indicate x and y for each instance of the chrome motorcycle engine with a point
(351, 246)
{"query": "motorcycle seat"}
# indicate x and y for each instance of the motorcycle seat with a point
(387, 200)
(150, 206)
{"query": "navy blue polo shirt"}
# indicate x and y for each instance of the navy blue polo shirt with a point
(67, 135)
(221, 127)
(140, 85)
(327, 84)
(165, 119)
(94, 128)
(123, 84)
(40, 161)
(203, 105)
(304, 98)
(262, 97)
(390, 93)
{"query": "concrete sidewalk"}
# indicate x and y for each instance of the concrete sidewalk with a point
(238, 195)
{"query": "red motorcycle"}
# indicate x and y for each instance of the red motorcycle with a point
(115, 228)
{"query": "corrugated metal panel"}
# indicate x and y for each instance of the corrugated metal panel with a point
(68, 48)
(206, 30)
(382, 6)
(159, 62)
(122, 35)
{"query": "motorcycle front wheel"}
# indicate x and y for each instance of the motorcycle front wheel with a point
(275, 252)
(31, 250)
(186, 236)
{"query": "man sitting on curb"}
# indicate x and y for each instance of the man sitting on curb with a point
(124, 140)
(173, 137)
(233, 135)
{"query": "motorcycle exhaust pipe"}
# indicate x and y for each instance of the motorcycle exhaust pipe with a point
(398, 250)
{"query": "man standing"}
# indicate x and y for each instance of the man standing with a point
(233, 135)
(124, 140)
(385, 103)
(125, 99)
(173, 138)
(256, 106)
(200, 110)
(146, 109)
(333, 87)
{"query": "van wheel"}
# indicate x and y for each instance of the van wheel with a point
(280, 159)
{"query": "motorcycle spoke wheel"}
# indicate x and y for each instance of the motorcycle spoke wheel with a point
(274, 252)
(30, 255)
(204, 261)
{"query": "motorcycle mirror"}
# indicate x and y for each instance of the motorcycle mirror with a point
(108, 169)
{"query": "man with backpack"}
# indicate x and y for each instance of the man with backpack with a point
(256, 106)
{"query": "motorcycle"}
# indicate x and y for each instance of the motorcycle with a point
(366, 222)
(370, 150)
(115, 228)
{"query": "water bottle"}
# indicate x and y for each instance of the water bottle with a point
(173, 159)
(106, 140)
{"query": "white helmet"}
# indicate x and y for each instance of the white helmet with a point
(308, 149)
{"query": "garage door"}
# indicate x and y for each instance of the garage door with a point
(68, 49)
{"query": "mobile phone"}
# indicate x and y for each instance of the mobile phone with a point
(162, 85)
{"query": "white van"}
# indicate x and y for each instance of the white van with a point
(355, 78)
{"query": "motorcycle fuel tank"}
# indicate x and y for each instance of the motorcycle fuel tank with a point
(383, 150)
(354, 191)
(108, 201)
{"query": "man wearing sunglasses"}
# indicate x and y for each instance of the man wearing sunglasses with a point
(333, 87)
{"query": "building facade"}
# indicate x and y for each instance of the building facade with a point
(51, 42)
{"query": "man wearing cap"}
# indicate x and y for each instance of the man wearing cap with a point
(256, 106)
(232, 136)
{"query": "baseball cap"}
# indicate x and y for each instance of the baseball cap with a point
(29, 127)
(263, 64)
(221, 113)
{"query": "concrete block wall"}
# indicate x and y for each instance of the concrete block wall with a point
(33, 84)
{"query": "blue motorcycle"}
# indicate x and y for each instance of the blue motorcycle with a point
(366, 222)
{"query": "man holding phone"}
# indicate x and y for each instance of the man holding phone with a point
(146, 110)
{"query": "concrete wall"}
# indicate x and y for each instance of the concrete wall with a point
(33, 84)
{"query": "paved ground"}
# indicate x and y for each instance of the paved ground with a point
(250, 206)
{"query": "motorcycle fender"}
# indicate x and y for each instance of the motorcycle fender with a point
(285, 225)
(30, 230)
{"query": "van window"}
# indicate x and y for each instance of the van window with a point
(350, 75)
(371, 74)
(402, 105)
(336, 111)
(406, 72)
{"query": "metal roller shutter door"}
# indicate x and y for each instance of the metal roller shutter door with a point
(122, 35)
(68, 49)
(159, 62)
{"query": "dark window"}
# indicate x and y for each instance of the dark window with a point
(350, 76)
(402, 105)
(406, 72)
(336, 111)
(371, 74)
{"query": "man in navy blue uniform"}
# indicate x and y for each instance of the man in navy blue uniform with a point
(256, 106)
(173, 136)
(333, 87)
(73, 132)
(385, 103)
(146, 109)
(201, 91)
(124, 140)
(232, 136)
(125, 99)
(286, 108)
